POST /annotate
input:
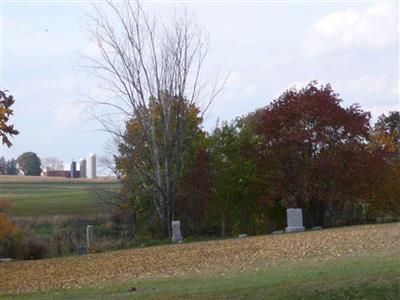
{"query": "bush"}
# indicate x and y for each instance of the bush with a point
(10, 246)
(34, 249)
(10, 235)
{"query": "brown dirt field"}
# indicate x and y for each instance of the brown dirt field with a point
(198, 258)
(44, 179)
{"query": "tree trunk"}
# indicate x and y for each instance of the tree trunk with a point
(223, 224)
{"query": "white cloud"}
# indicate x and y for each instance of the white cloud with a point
(377, 93)
(377, 110)
(67, 114)
(374, 27)
(374, 86)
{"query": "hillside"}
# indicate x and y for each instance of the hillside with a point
(204, 258)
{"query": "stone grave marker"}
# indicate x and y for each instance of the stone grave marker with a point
(275, 232)
(294, 220)
(81, 250)
(89, 237)
(176, 231)
(316, 228)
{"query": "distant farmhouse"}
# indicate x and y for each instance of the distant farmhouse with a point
(58, 173)
(87, 169)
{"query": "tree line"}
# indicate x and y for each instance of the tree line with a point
(302, 150)
(29, 164)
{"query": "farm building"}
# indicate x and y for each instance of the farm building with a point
(60, 173)
(87, 169)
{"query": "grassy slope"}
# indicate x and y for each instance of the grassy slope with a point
(37, 198)
(371, 276)
(361, 262)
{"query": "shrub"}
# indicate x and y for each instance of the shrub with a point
(10, 235)
(7, 227)
(34, 249)
(10, 245)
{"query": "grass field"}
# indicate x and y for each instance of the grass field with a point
(360, 262)
(41, 196)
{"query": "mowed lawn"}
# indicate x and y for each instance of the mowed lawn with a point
(359, 262)
(42, 198)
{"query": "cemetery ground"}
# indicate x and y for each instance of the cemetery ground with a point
(357, 262)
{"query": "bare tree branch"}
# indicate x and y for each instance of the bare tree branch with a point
(145, 59)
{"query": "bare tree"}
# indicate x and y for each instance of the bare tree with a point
(53, 163)
(140, 58)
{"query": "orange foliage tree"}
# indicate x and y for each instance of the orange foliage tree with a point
(6, 130)
(385, 139)
(7, 228)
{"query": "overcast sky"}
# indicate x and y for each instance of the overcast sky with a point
(266, 48)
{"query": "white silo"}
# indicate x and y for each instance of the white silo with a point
(82, 168)
(91, 166)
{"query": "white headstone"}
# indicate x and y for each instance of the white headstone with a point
(89, 237)
(294, 220)
(176, 232)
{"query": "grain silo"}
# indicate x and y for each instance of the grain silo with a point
(82, 167)
(73, 169)
(91, 166)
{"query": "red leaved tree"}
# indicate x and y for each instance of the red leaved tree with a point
(314, 154)
(194, 193)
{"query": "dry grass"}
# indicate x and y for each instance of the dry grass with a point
(44, 179)
(197, 258)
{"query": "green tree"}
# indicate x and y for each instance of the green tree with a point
(237, 182)
(8, 167)
(30, 164)
(3, 166)
(11, 167)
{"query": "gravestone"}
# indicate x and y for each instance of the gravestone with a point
(294, 220)
(176, 232)
(89, 237)
(316, 228)
(275, 232)
(81, 250)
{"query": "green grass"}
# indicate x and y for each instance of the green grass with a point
(54, 198)
(362, 277)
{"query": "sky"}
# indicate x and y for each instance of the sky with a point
(264, 47)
